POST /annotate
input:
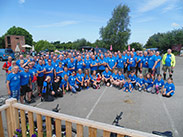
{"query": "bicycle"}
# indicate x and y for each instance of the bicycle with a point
(119, 117)
(63, 127)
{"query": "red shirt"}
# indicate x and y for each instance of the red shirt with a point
(7, 64)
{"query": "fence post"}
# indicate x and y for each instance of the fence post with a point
(11, 117)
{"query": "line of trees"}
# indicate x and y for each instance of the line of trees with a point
(164, 41)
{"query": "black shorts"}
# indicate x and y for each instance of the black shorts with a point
(24, 89)
(40, 81)
(132, 68)
(108, 81)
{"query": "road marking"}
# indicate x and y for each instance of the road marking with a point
(91, 111)
(38, 104)
(170, 118)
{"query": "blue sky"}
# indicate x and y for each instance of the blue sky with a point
(69, 20)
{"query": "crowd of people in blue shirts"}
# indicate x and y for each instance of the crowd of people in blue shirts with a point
(55, 74)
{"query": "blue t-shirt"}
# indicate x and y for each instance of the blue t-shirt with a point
(102, 67)
(49, 68)
(24, 78)
(124, 58)
(132, 60)
(121, 77)
(14, 81)
(111, 62)
(58, 69)
(94, 62)
(40, 68)
(140, 81)
(65, 73)
(55, 64)
(72, 80)
(87, 63)
(115, 76)
(159, 83)
(63, 82)
(149, 82)
(87, 77)
(71, 65)
(79, 65)
(133, 78)
(106, 74)
(32, 72)
(145, 61)
(159, 62)
(151, 61)
(139, 60)
(79, 77)
(126, 85)
(168, 60)
(170, 87)
(120, 63)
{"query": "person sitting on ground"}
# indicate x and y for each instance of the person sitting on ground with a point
(106, 75)
(72, 83)
(114, 79)
(56, 87)
(139, 83)
(64, 84)
(148, 82)
(128, 86)
(47, 93)
(94, 82)
(169, 88)
(87, 79)
(158, 84)
(80, 79)
(121, 79)
(133, 77)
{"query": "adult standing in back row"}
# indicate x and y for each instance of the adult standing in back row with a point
(168, 63)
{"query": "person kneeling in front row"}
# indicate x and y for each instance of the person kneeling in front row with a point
(169, 88)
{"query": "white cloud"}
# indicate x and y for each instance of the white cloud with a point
(175, 24)
(58, 24)
(151, 4)
(21, 1)
(166, 9)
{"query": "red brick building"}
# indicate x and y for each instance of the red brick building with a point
(12, 41)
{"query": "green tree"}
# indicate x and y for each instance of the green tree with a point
(43, 44)
(20, 32)
(117, 31)
(80, 42)
(163, 41)
(136, 46)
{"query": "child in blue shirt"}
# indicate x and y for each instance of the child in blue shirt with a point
(133, 77)
(148, 83)
(72, 83)
(80, 79)
(158, 84)
(121, 79)
(169, 88)
(139, 83)
(128, 86)
(64, 84)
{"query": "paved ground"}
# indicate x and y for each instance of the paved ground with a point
(141, 111)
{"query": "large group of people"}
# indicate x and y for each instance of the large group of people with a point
(55, 74)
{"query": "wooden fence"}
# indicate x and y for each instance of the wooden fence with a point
(12, 118)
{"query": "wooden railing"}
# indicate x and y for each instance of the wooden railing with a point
(11, 110)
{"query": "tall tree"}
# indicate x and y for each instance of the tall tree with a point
(18, 31)
(117, 31)
(136, 46)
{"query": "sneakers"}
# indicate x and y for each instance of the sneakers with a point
(157, 92)
(39, 94)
